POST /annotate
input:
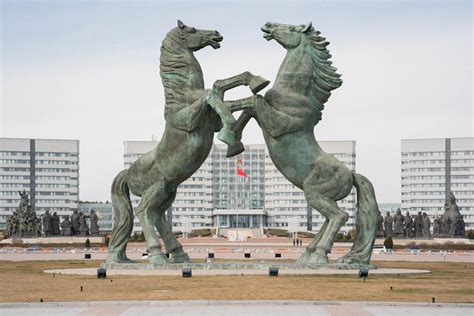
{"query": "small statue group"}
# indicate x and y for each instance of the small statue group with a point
(78, 224)
(400, 226)
(451, 223)
(23, 222)
(51, 224)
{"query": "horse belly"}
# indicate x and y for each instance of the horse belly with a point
(294, 155)
(183, 153)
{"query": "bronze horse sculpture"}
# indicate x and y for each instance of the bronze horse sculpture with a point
(287, 115)
(192, 116)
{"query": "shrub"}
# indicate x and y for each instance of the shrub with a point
(388, 243)
(339, 237)
(470, 234)
(87, 244)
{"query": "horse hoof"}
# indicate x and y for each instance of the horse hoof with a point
(235, 150)
(159, 259)
(227, 136)
(351, 259)
(258, 83)
(312, 259)
(119, 259)
(180, 258)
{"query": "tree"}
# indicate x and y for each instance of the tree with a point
(87, 244)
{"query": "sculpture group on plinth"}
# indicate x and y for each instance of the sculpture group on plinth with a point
(23, 222)
(407, 226)
(451, 223)
(287, 114)
(78, 225)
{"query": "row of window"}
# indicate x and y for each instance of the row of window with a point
(19, 169)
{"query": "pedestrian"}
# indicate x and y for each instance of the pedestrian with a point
(294, 242)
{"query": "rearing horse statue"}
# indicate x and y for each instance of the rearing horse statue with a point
(287, 115)
(192, 116)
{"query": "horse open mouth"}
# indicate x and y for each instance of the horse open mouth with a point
(268, 36)
(214, 42)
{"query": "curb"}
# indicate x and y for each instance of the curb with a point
(224, 302)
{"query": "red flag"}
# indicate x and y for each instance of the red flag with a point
(240, 172)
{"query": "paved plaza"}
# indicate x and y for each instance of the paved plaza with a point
(234, 251)
(229, 308)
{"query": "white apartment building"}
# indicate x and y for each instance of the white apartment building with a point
(192, 207)
(431, 168)
(239, 201)
(286, 205)
(47, 169)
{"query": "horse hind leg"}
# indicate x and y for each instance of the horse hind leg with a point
(172, 245)
(312, 245)
(317, 254)
(151, 200)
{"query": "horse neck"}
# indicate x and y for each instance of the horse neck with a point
(183, 63)
(296, 69)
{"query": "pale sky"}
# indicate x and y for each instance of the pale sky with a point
(88, 70)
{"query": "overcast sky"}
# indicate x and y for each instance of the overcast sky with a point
(88, 70)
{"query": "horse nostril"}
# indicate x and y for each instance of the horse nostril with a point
(216, 33)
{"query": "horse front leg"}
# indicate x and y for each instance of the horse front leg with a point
(256, 83)
(248, 108)
(242, 121)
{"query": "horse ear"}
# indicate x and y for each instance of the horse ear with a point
(181, 24)
(307, 27)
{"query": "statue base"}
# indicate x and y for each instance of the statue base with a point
(262, 265)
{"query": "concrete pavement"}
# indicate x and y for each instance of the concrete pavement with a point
(234, 308)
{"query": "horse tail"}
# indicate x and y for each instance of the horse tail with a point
(366, 220)
(123, 223)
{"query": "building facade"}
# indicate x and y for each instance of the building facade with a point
(217, 196)
(431, 168)
(47, 169)
(239, 200)
(286, 205)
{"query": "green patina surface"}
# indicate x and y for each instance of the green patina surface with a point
(287, 114)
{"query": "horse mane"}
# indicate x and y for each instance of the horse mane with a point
(175, 61)
(324, 76)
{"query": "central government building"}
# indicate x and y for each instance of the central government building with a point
(217, 196)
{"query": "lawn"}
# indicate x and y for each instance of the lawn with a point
(26, 282)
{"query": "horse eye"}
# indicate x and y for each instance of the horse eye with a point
(193, 30)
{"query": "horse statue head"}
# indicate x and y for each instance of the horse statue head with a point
(179, 69)
(196, 39)
(289, 36)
